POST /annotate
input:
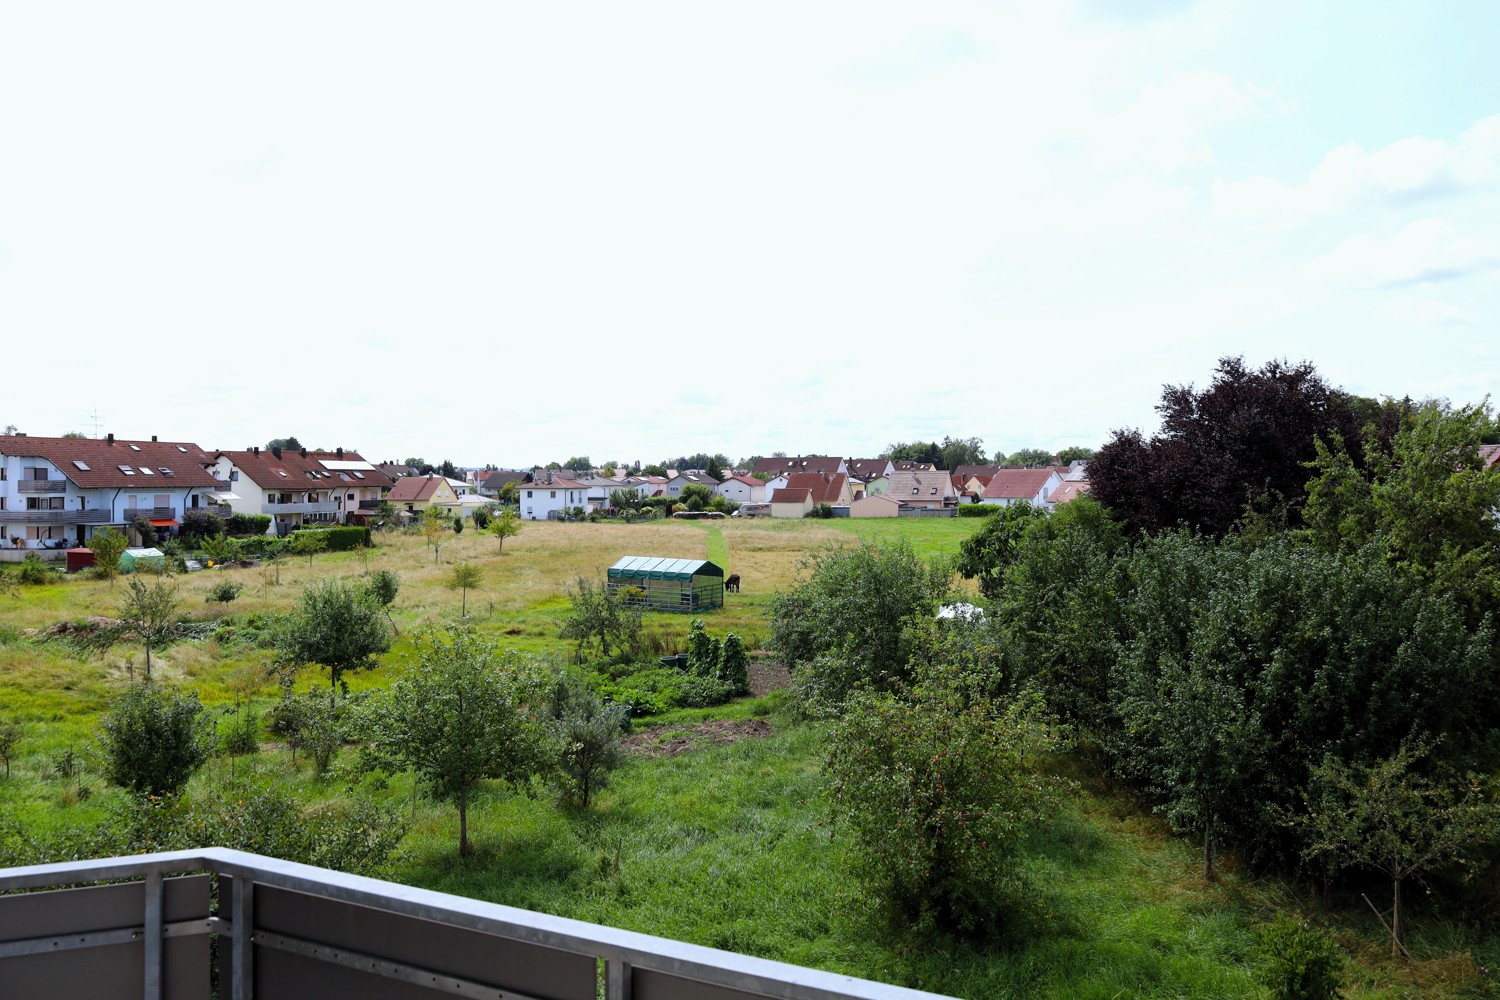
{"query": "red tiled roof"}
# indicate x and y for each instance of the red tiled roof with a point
(1489, 454)
(788, 495)
(967, 472)
(291, 471)
(1071, 490)
(369, 477)
(865, 469)
(747, 480)
(103, 457)
(1017, 484)
(410, 488)
(823, 488)
(801, 463)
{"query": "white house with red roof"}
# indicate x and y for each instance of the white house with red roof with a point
(1033, 486)
(56, 492)
(550, 497)
(290, 487)
(742, 488)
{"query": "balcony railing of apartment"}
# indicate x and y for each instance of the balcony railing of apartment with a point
(42, 485)
(175, 923)
(94, 515)
(224, 484)
(299, 508)
(150, 513)
(369, 504)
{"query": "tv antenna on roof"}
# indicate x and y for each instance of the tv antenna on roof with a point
(96, 419)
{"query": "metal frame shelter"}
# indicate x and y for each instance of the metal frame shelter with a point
(671, 584)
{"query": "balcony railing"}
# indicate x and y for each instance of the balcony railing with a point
(369, 504)
(94, 515)
(299, 508)
(292, 931)
(42, 485)
(150, 513)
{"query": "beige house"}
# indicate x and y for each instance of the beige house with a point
(879, 505)
(416, 493)
(788, 502)
(922, 489)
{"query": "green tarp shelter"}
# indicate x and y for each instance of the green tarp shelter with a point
(670, 584)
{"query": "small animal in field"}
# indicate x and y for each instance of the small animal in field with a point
(732, 582)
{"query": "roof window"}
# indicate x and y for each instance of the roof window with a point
(135, 447)
(359, 475)
(282, 473)
(146, 472)
(82, 465)
(182, 449)
(165, 471)
(126, 469)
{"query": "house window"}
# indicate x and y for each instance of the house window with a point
(934, 491)
(36, 534)
(915, 490)
(270, 498)
(554, 494)
(2, 503)
(163, 500)
(44, 503)
(234, 475)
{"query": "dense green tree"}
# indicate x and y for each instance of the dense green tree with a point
(937, 795)
(463, 712)
(285, 444)
(961, 451)
(1030, 458)
(336, 626)
(929, 452)
(153, 739)
(307, 543)
(841, 625)
(1074, 453)
(579, 463)
(383, 587)
(988, 553)
(697, 496)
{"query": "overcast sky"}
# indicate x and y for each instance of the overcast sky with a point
(518, 232)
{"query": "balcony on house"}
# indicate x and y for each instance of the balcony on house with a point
(328, 507)
(92, 515)
(150, 513)
(170, 926)
(42, 485)
(369, 504)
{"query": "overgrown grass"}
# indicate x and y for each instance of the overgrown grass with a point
(723, 846)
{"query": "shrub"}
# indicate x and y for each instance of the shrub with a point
(734, 665)
(938, 797)
(703, 651)
(224, 591)
(153, 739)
(198, 524)
(307, 722)
(146, 530)
(239, 733)
(481, 518)
(248, 524)
(33, 570)
(590, 731)
(979, 509)
(1302, 961)
(343, 539)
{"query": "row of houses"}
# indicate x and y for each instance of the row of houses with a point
(56, 492)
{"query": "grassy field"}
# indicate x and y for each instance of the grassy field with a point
(723, 845)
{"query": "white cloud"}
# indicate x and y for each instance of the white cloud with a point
(1407, 170)
(1431, 312)
(1424, 251)
(1169, 124)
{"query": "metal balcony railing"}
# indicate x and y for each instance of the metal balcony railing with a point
(150, 513)
(292, 931)
(318, 507)
(94, 515)
(42, 485)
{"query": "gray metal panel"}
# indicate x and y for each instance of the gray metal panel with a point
(113, 970)
(515, 965)
(649, 985)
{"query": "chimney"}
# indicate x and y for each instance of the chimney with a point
(153, 437)
(255, 449)
(277, 453)
(109, 438)
(340, 452)
(303, 452)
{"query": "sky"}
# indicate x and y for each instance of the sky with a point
(515, 233)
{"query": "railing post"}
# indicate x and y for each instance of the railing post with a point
(617, 979)
(153, 935)
(243, 986)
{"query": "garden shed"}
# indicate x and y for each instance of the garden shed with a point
(671, 584)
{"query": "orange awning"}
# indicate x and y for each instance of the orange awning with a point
(163, 523)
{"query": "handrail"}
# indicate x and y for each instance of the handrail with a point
(622, 951)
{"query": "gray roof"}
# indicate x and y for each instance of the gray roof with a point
(657, 568)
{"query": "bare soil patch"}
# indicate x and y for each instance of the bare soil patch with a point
(669, 741)
(767, 676)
